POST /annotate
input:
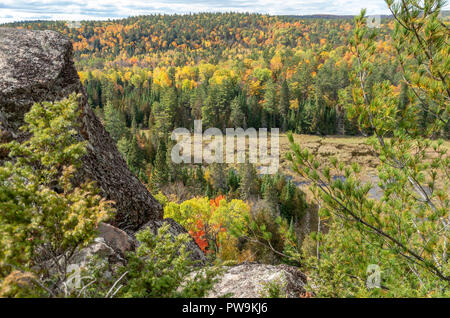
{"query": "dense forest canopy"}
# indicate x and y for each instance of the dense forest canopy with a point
(147, 75)
(228, 69)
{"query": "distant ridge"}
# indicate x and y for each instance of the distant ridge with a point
(331, 16)
(444, 13)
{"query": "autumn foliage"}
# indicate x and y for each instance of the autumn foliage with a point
(209, 222)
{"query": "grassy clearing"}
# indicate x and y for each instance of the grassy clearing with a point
(346, 149)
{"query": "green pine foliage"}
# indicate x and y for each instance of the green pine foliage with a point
(160, 172)
(406, 232)
(161, 267)
(113, 122)
(43, 213)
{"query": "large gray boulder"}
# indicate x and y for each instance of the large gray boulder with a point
(252, 280)
(37, 66)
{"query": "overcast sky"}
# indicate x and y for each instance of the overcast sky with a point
(18, 10)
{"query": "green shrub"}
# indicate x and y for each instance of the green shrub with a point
(161, 267)
(45, 218)
(273, 289)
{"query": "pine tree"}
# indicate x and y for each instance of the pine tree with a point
(169, 102)
(114, 123)
(208, 192)
(270, 101)
(316, 115)
(160, 174)
(407, 229)
(135, 157)
(232, 180)
(284, 104)
(173, 169)
(249, 181)
(270, 193)
(237, 116)
(343, 100)
(224, 96)
(160, 120)
(209, 109)
(123, 146)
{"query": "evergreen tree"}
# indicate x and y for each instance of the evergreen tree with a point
(224, 95)
(208, 191)
(123, 146)
(270, 101)
(160, 121)
(174, 171)
(249, 181)
(270, 193)
(209, 110)
(135, 157)
(316, 113)
(284, 104)
(237, 116)
(232, 180)
(292, 201)
(160, 173)
(114, 123)
(407, 229)
(42, 211)
(169, 104)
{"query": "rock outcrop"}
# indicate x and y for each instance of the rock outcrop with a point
(117, 239)
(98, 249)
(37, 66)
(251, 280)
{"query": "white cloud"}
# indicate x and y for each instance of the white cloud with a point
(15, 10)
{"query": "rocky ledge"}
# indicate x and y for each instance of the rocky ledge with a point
(37, 66)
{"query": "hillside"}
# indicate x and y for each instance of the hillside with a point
(103, 192)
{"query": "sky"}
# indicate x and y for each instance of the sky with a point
(75, 10)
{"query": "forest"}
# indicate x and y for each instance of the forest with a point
(144, 76)
(155, 73)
